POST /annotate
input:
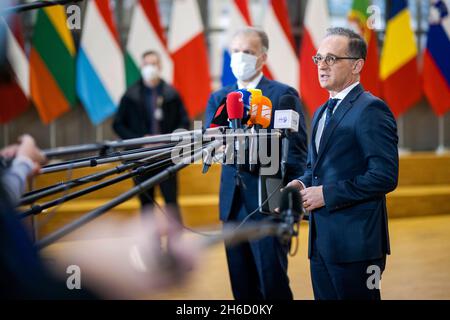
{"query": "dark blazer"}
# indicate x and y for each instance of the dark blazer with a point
(297, 148)
(357, 165)
(131, 120)
(22, 273)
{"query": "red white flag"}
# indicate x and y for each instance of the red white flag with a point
(316, 24)
(146, 34)
(282, 61)
(189, 54)
(14, 95)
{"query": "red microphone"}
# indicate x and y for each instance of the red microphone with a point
(235, 109)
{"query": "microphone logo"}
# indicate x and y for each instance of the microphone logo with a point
(283, 119)
(266, 112)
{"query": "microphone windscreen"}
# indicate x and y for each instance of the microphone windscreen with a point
(255, 94)
(246, 96)
(255, 102)
(264, 112)
(235, 105)
(288, 102)
(290, 199)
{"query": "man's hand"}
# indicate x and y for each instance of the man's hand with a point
(312, 198)
(9, 152)
(294, 184)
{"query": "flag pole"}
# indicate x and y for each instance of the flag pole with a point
(5, 134)
(99, 133)
(401, 136)
(441, 136)
(53, 134)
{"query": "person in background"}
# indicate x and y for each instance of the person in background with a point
(258, 269)
(152, 106)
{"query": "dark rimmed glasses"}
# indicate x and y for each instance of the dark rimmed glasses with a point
(330, 59)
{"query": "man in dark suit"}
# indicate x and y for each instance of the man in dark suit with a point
(152, 106)
(352, 165)
(258, 269)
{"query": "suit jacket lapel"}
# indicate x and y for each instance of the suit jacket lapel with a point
(315, 124)
(339, 114)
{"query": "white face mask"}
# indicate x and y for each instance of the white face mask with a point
(243, 65)
(149, 72)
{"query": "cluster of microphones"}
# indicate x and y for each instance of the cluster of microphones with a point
(249, 111)
(243, 114)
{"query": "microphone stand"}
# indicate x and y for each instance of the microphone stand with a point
(39, 208)
(32, 196)
(113, 154)
(104, 160)
(155, 180)
(129, 143)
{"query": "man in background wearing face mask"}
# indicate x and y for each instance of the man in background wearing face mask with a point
(258, 269)
(152, 106)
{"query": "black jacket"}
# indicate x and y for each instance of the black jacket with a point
(131, 120)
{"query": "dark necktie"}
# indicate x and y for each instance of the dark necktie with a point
(331, 104)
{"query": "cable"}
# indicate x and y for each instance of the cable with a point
(260, 207)
(235, 229)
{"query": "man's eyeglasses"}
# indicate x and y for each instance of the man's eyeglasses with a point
(330, 60)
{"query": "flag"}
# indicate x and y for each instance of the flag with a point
(370, 74)
(436, 68)
(401, 85)
(146, 34)
(190, 57)
(239, 18)
(282, 61)
(52, 64)
(14, 94)
(315, 26)
(100, 63)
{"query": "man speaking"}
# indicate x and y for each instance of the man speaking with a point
(352, 164)
(258, 269)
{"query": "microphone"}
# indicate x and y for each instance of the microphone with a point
(235, 109)
(264, 113)
(255, 97)
(246, 97)
(291, 212)
(255, 93)
(209, 158)
(261, 115)
(220, 118)
(287, 119)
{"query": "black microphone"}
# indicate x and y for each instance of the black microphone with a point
(291, 211)
(287, 119)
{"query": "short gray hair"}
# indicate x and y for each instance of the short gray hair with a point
(357, 46)
(262, 35)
